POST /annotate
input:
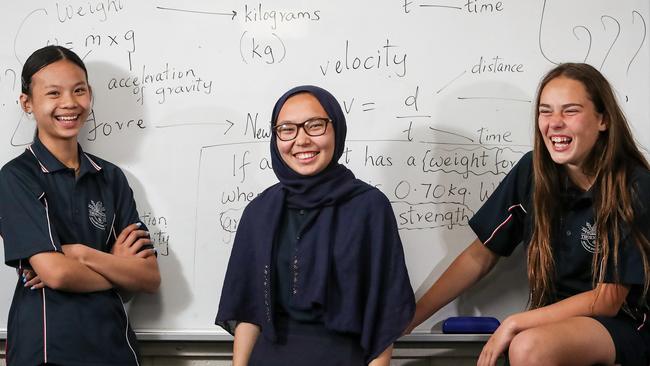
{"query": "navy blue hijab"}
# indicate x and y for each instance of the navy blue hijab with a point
(335, 182)
(350, 260)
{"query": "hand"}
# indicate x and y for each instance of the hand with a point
(130, 241)
(496, 345)
(31, 280)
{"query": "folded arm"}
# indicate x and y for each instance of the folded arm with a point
(128, 266)
(60, 272)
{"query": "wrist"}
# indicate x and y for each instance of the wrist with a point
(511, 324)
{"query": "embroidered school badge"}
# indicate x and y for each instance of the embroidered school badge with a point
(97, 214)
(588, 237)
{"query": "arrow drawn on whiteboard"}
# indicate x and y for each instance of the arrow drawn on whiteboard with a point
(450, 133)
(497, 98)
(233, 13)
(227, 123)
(440, 6)
(449, 83)
(634, 12)
(618, 33)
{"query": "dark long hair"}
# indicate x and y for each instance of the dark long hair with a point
(610, 162)
(43, 57)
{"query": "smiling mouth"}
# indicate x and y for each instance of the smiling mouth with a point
(305, 155)
(67, 118)
(561, 142)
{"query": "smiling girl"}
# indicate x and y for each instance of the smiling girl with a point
(580, 203)
(316, 274)
(61, 210)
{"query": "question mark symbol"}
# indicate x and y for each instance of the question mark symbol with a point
(627, 72)
(634, 12)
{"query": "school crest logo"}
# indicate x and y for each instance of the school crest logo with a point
(588, 237)
(97, 214)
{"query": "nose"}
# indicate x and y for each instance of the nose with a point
(68, 100)
(556, 121)
(302, 138)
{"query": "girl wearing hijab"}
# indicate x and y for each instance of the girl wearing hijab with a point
(317, 273)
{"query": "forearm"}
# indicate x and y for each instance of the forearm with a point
(245, 337)
(384, 358)
(58, 272)
(467, 269)
(605, 300)
(129, 273)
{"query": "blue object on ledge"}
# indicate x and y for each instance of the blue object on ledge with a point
(470, 325)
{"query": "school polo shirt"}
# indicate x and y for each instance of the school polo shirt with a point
(505, 220)
(42, 207)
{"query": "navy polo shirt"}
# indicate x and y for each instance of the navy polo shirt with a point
(506, 219)
(43, 206)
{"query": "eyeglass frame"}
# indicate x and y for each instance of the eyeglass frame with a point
(302, 125)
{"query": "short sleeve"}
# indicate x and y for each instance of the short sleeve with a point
(25, 223)
(499, 223)
(126, 212)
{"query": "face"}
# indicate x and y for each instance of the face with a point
(568, 122)
(60, 101)
(306, 155)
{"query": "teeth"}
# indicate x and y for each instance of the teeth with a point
(558, 139)
(67, 118)
(305, 155)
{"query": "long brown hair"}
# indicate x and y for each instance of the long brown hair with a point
(610, 162)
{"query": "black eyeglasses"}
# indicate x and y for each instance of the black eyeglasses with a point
(287, 131)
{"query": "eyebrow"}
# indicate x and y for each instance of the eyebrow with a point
(297, 123)
(568, 105)
(59, 86)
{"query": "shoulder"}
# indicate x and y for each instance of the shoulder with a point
(371, 201)
(521, 175)
(267, 199)
(640, 177)
(525, 164)
(640, 183)
(266, 195)
(527, 159)
(23, 169)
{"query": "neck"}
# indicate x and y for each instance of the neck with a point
(579, 178)
(66, 151)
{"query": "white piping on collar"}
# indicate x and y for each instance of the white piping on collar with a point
(43, 168)
(95, 165)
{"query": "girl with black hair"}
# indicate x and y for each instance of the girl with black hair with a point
(70, 227)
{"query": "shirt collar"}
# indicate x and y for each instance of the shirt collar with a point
(574, 196)
(50, 164)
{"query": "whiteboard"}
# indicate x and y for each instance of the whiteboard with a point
(437, 94)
